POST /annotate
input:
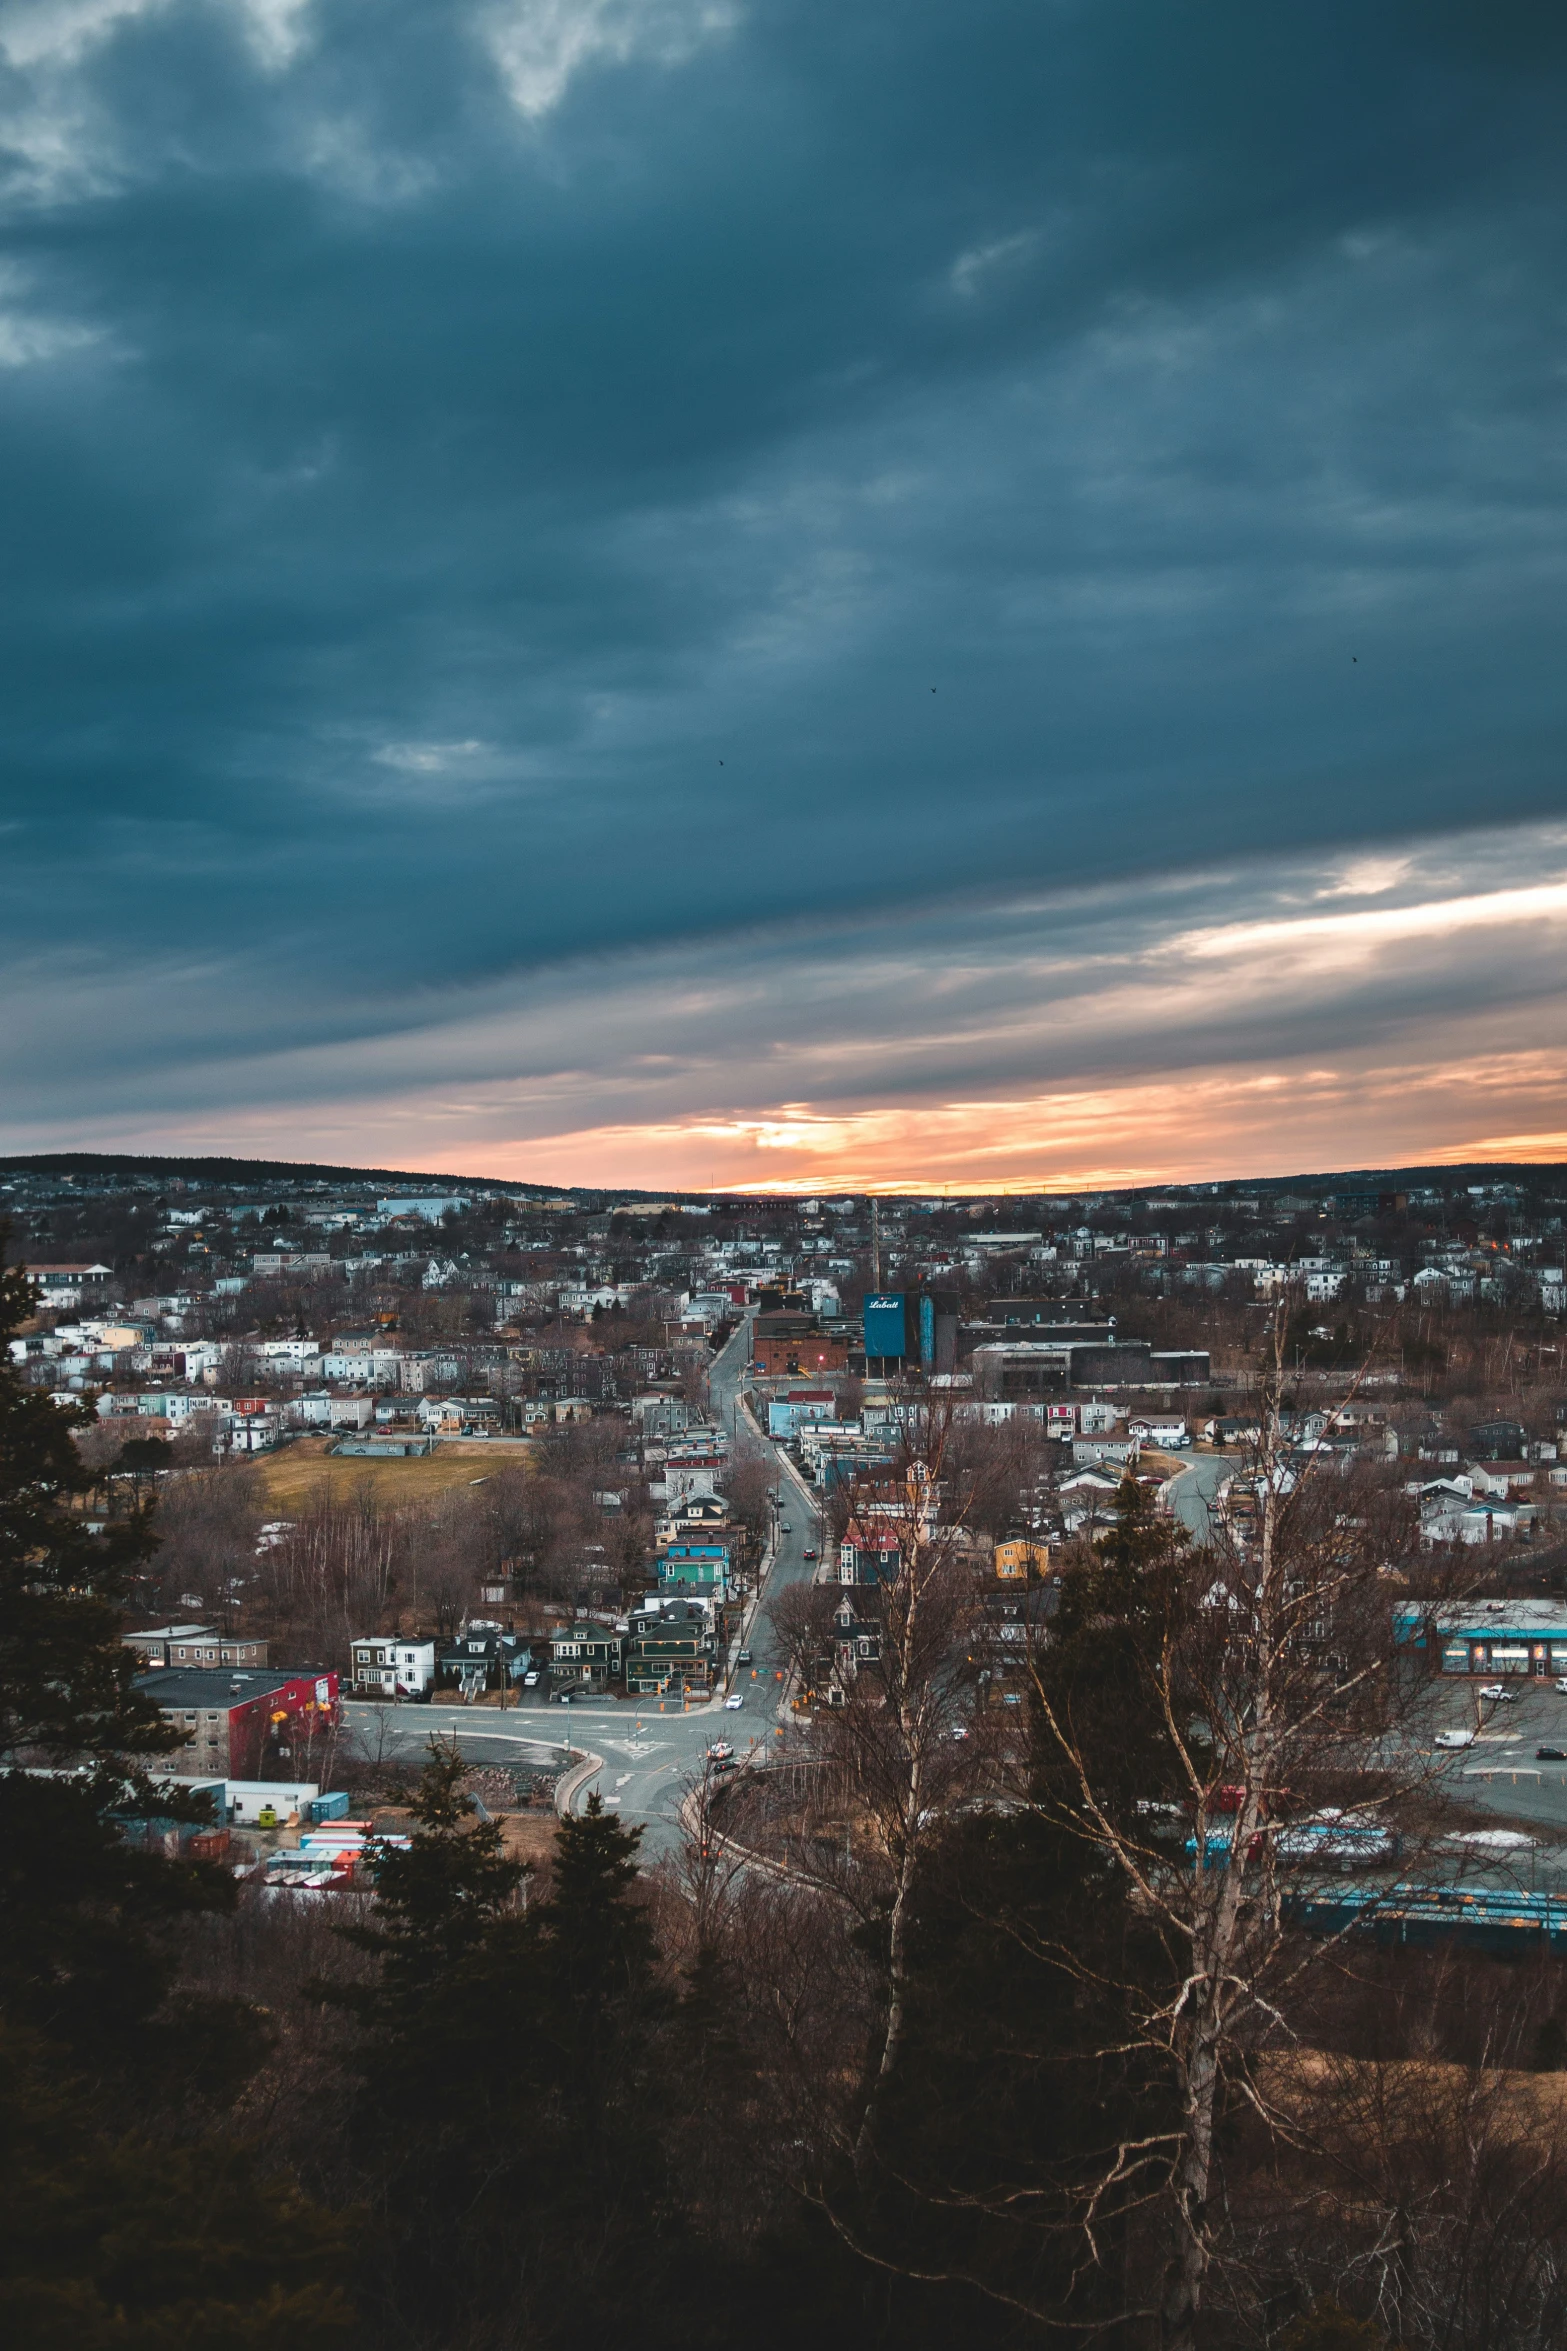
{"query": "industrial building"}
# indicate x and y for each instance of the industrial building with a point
(1015, 1370)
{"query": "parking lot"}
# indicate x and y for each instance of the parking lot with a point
(1500, 1771)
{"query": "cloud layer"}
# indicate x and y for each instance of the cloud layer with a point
(763, 592)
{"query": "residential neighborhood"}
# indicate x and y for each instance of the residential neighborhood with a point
(523, 1376)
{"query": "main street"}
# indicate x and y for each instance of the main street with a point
(652, 1749)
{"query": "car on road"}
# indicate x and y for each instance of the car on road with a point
(1499, 1694)
(720, 1752)
(810, 1555)
(1454, 1739)
(1550, 1755)
(745, 1657)
(734, 1701)
(784, 1527)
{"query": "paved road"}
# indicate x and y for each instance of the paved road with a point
(652, 1750)
(1198, 1481)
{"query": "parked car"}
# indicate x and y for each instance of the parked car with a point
(745, 1657)
(784, 1527)
(1561, 1684)
(530, 1680)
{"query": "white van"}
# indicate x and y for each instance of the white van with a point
(1454, 1739)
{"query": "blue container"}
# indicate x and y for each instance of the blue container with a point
(334, 1807)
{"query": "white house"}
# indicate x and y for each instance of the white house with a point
(352, 1412)
(252, 1432)
(684, 1479)
(1451, 1512)
(386, 1666)
(66, 1285)
(309, 1412)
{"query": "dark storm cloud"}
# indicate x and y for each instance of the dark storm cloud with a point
(434, 439)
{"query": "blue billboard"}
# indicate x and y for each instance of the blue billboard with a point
(886, 1323)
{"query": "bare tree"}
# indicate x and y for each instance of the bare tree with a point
(1432, 2193)
(891, 1741)
(1250, 1685)
(335, 1570)
(800, 1616)
(207, 1523)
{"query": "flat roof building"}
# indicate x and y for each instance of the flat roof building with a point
(239, 1720)
(1493, 1638)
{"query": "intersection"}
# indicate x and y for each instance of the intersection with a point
(652, 1749)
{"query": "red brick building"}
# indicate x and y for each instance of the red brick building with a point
(787, 1344)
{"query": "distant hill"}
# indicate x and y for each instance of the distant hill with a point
(245, 1171)
(104, 1165)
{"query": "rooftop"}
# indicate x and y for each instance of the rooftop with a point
(208, 1685)
(1485, 1617)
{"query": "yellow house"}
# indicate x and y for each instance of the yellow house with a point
(1014, 1558)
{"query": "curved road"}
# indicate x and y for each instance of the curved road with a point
(652, 1749)
(1196, 1482)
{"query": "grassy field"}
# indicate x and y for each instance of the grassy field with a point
(304, 1470)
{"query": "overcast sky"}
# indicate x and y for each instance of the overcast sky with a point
(784, 591)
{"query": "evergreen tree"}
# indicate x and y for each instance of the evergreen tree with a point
(107, 2239)
(600, 1942)
(82, 1959)
(438, 1896)
(120, 2243)
(1020, 2079)
(66, 1679)
(511, 2091)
